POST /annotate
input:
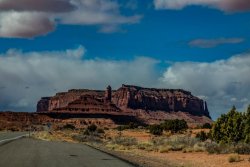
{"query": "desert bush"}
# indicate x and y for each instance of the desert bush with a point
(207, 126)
(125, 141)
(86, 132)
(232, 127)
(79, 138)
(69, 127)
(156, 129)
(100, 130)
(121, 128)
(164, 149)
(199, 147)
(147, 146)
(158, 141)
(234, 158)
(175, 126)
(86, 138)
(131, 125)
(247, 126)
(242, 148)
(178, 143)
(202, 136)
(116, 146)
(182, 140)
(215, 148)
(92, 128)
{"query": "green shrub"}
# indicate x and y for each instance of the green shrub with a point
(92, 128)
(121, 128)
(156, 129)
(213, 148)
(69, 126)
(207, 126)
(202, 136)
(131, 125)
(86, 132)
(175, 126)
(233, 127)
(247, 126)
(242, 148)
(100, 131)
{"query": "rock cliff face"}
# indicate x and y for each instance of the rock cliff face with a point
(150, 99)
(43, 104)
(61, 100)
(146, 103)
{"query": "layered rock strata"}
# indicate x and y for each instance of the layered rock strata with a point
(135, 100)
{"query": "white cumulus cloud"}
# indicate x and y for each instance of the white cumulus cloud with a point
(224, 83)
(26, 77)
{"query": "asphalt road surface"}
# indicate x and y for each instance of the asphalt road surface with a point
(10, 135)
(28, 152)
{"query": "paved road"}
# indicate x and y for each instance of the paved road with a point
(27, 152)
(9, 135)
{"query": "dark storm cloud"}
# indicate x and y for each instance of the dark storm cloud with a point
(37, 5)
(31, 18)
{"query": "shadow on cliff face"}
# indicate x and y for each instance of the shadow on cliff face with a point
(118, 119)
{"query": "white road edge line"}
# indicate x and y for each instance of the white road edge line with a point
(14, 138)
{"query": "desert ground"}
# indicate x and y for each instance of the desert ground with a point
(140, 147)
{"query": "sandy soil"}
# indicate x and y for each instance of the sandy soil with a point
(177, 158)
(201, 159)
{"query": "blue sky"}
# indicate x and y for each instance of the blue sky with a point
(161, 34)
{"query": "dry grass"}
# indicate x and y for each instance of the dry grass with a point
(234, 158)
(140, 134)
(54, 136)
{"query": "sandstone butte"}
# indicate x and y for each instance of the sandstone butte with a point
(148, 105)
